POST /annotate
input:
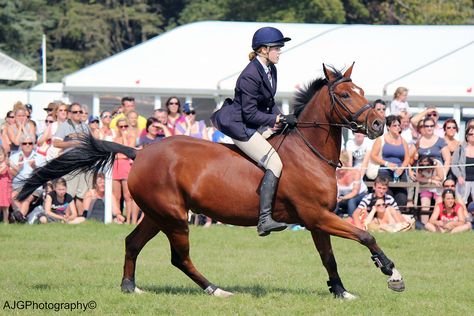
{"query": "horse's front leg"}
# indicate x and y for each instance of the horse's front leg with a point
(322, 241)
(332, 224)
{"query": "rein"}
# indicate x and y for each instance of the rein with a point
(350, 124)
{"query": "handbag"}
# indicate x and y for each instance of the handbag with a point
(372, 167)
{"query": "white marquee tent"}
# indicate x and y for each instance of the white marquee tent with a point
(10, 69)
(204, 59)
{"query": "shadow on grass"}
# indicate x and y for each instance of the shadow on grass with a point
(254, 290)
(41, 287)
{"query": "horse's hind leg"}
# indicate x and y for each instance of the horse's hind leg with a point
(179, 243)
(333, 225)
(134, 243)
(322, 241)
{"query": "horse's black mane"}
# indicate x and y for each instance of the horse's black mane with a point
(304, 95)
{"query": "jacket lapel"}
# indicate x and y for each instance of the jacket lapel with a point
(263, 73)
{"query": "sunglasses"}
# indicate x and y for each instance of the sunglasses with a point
(48, 121)
(173, 103)
(77, 112)
(191, 112)
(123, 126)
(429, 126)
(62, 110)
(432, 114)
(106, 116)
(156, 126)
(470, 134)
(10, 117)
(49, 110)
(27, 143)
(451, 127)
(449, 186)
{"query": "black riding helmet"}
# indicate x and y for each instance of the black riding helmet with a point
(268, 36)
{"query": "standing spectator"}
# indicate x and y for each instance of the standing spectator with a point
(357, 149)
(429, 113)
(120, 171)
(407, 131)
(380, 107)
(9, 121)
(450, 127)
(21, 127)
(350, 187)
(85, 114)
(391, 151)
(105, 132)
(59, 206)
(447, 216)
(463, 166)
(67, 137)
(22, 164)
(175, 115)
(45, 137)
(399, 103)
(433, 145)
(94, 202)
(61, 115)
(133, 129)
(155, 131)
(191, 127)
(5, 185)
(94, 126)
(128, 104)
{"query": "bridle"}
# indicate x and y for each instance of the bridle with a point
(347, 123)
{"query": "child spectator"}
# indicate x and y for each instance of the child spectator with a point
(5, 185)
(430, 172)
(59, 206)
(399, 103)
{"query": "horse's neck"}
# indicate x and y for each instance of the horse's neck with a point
(325, 138)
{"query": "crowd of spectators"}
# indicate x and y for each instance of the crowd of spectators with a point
(375, 184)
(27, 144)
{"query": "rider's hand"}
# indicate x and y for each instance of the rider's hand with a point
(289, 120)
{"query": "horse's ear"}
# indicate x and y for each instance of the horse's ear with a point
(328, 74)
(348, 72)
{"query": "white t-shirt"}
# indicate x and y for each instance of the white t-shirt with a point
(396, 107)
(358, 151)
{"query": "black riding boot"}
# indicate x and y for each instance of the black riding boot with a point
(267, 192)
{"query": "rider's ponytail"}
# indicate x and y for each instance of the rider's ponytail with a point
(252, 56)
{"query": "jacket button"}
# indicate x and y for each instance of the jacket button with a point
(268, 109)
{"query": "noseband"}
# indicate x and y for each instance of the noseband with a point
(347, 123)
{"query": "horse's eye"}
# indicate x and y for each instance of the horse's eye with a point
(345, 95)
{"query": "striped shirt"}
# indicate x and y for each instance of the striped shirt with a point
(369, 200)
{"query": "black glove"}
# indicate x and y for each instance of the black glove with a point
(289, 120)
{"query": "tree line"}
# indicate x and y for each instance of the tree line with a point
(82, 32)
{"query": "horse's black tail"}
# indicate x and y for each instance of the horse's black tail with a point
(90, 156)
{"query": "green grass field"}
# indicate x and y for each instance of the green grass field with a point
(277, 275)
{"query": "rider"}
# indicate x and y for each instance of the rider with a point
(252, 111)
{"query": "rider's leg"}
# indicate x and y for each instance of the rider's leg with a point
(262, 152)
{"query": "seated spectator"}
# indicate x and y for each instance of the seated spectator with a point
(350, 187)
(5, 185)
(191, 127)
(399, 103)
(155, 131)
(470, 214)
(463, 166)
(430, 112)
(448, 216)
(59, 206)
(450, 183)
(407, 132)
(94, 202)
(430, 172)
(23, 125)
(22, 164)
(45, 138)
(367, 203)
(380, 218)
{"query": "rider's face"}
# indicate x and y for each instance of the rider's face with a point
(274, 54)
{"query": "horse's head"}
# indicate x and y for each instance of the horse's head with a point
(349, 106)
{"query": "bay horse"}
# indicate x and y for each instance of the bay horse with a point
(167, 180)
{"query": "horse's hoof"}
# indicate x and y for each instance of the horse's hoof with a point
(395, 281)
(345, 296)
(128, 286)
(221, 293)
(396, 285)
(138, 291)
